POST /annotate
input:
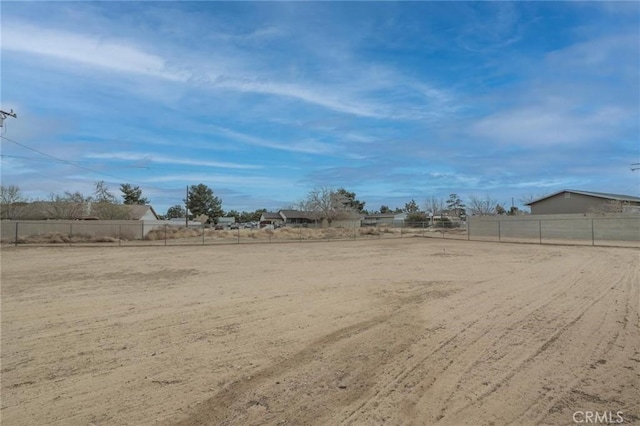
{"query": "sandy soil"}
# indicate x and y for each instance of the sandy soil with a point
(411, 331)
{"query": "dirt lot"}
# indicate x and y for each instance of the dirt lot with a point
(411, 331)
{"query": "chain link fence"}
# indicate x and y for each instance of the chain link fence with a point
(621, 231)
(614, 230)
(133, 234)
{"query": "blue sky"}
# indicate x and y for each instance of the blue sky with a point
(265, 101)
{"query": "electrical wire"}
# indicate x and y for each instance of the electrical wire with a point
(59, 159)
(46, 160)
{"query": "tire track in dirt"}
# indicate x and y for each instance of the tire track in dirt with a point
(569, 322)
(610, 363)
(226, 405)
(408, 370)
(328, 360)
(487, 344)
(339, 362)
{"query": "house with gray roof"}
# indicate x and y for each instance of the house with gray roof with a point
(569, 201)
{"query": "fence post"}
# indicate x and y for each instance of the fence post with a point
(354, 232)
(540, 230)
(300, 232)
(16, 242)
(70, 232)
(468, 230)
(142, 230)
(400, 231)
(238, 235)
(165, 234)
(203, 228)
(119, 235)
(499, 232)
(593, 241)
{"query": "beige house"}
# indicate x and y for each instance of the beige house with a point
(570, 201)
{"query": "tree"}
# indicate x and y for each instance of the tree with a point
(482, 206)
(105, 205)
(500, 209)
(514, 211)
(102, 193)
(411, 207)
(415, 218)
(12, 203)
(176, 212)
(132, 194)
(70, 205)
(385, 209)
(434, 206)
(234, 214)
(455, 205)
(328, 204)
(201, 200)
(350, 200)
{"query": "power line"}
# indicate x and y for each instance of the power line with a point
(60, 159)
(46, 160)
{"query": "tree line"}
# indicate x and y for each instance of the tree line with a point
(202, 204)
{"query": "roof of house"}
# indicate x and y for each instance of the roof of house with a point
(298, 214)
(137, 211)
(379, 215)
(605, 195)
(39, 210)
(271, 215)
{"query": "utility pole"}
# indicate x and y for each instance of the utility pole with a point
(5, 114)
(186, 200)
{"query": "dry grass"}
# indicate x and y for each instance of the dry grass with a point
(282, 234)
(287, 233)
(171, 232)
(58, 238)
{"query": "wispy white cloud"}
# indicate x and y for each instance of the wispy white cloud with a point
(145, 158)
(239, 73)
(218, 180)
(83, 49)
(306, 146)
(546, 125)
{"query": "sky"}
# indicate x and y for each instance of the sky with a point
(265, 101)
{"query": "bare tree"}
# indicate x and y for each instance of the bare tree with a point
(434, 206)
(102, 193)
(110, 211)
(12, 203)
(482, 206)
(328, 204)
(70, 205)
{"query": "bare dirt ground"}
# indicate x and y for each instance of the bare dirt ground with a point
(399, 332)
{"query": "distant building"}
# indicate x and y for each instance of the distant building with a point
(384, 218)
(298, 217)
(569, 201)
(52, 210)
(270, 218)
